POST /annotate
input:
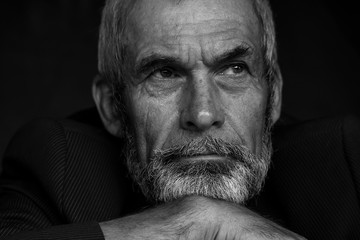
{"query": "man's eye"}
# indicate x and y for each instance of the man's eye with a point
(164, 73)
(234, 70)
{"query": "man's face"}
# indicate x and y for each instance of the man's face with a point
(196, 73)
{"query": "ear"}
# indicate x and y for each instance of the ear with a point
(102, 95)
(277, 97)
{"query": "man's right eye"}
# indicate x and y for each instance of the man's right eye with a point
(164, 72)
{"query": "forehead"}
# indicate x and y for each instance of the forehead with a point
(211, 24)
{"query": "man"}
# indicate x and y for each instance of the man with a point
(194, 87)
(200, 85)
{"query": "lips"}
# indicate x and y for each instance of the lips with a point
(204, 157)
(205, 149)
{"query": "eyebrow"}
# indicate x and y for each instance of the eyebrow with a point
(154, 60)
(238, 52)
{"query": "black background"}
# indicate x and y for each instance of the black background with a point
(49, 58)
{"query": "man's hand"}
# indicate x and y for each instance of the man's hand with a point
(195, 218)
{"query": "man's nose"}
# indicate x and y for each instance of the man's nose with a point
(203, 108)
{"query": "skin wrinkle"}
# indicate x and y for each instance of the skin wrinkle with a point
(151, 125)
(162, 134)
(148, 125)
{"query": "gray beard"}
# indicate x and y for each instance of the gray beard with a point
(165, 177)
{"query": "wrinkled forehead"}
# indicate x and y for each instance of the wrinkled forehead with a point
(161, 16)
(195, 9)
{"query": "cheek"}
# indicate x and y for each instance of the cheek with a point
(246, 115)
(256, 120)
(145, 115)
(151, 119)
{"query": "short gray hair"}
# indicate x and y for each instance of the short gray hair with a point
(269, 47)
(112, 57)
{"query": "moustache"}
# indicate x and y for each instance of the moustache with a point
(204, 146)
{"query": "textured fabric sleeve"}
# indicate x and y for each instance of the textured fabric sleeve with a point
(351, 136)
(79, 231)
(313, 184)
(31, 187)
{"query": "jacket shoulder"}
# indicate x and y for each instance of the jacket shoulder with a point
(75, 168)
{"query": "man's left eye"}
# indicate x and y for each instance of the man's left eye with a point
(235, 69)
